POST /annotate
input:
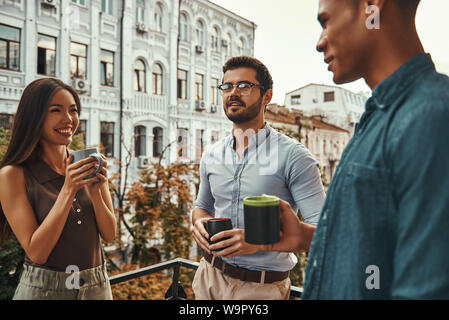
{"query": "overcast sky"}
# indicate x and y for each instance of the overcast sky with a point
(287, 33)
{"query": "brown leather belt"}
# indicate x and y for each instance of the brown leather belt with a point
(245, 274)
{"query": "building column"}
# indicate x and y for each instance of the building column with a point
(63, 45)
(30, 45)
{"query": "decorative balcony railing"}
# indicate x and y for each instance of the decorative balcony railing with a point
(10, 92)
(150, 104)
(174, 289)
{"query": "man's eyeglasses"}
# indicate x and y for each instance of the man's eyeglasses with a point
(243, 87)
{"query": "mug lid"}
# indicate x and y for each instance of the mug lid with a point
(261, 201)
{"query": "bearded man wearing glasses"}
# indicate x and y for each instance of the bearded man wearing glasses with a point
(255, 159)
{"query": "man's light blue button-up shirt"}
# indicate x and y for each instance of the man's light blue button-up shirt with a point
(272, 164)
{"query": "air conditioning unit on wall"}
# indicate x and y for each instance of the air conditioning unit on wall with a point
(49, 3)
(141, 27)
(143, 162)
(200, 106)
(80, 85)
(199, 49)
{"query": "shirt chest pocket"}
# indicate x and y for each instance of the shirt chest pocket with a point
(367, 195)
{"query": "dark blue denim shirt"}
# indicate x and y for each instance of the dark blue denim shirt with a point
(384, 228)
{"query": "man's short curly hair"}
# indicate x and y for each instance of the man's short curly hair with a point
(263, 75)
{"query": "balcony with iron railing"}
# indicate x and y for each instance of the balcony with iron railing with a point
(175, 290)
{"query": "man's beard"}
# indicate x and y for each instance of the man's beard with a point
(245, 115)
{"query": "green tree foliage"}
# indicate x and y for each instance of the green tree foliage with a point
(11, 253)
(288, 132)
(156, 208)
(161, 201)
(77, 142)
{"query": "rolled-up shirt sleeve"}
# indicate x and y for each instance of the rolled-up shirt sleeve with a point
(205, 199)
(304, 181)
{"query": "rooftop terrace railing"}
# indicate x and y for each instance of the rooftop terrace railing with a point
(173, 292)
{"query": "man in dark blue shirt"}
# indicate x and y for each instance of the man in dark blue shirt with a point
(383, 232)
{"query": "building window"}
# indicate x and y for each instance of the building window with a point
(106, 6)
(183, 27)
(157, 79)
(107, 68)
(80, 2)
(107, 138)
(158, 21)
(140, 11)
(329, 96)
(241, 47)
(215, 39)
(140, 141)
(6, 120)
(229, 43)
(182, 144)
(199, 145)
(78, 59)
(82, 129)
(46, 55)
(317, 146)
(158, 135)
(214, 136)
(140, 76)
(296, 99)
(214, 91)
(9, 48)
(182, 84)
(199, 81)
(199, 33)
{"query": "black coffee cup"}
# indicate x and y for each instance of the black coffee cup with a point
(262, 219)
(217, 225)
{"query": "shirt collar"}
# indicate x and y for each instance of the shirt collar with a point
(258, 138)
(389, 89)
(42, 171)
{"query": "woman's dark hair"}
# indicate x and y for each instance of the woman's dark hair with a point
(27, 127)
(263, 75)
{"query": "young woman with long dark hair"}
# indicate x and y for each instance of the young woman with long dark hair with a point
(56, 214)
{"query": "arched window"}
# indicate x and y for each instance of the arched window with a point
(241, 48)
(140, 11)
(200, 33)
(140, 76)
(215, 39)
(157, 141)
(157, 79)
(140, 141)
(158, 18)
(229, 44)
(183, 27)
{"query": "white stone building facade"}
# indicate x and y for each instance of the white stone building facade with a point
(338, 105)
(324, 140)
(147, 70)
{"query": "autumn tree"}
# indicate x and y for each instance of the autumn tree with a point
(161, 200)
